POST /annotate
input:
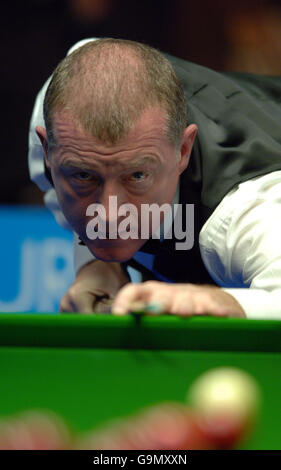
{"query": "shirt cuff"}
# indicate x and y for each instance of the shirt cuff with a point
(258, 303)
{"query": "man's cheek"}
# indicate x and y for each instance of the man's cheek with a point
(74, 214)
(74, 210)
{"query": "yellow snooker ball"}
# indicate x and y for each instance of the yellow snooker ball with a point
(226, 391)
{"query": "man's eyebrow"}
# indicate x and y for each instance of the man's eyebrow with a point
(129, 162)
(72, 162)
(136, 161)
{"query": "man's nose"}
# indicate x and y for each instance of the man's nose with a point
(112, 196)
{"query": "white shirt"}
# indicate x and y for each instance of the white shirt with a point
(240, 243)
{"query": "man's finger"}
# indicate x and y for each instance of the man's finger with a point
(183, 304)
(83, 303)
(64, 306)
(152, 297)
(103, 306)
(132, 293)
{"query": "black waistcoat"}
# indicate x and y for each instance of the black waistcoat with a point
(239, 137)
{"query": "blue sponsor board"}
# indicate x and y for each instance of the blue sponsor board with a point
(36, 260)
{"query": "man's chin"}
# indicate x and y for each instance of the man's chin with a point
(112, 251)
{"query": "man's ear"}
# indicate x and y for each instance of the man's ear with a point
(187, 142)
(42, 134)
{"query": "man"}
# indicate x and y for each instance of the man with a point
(115, 117)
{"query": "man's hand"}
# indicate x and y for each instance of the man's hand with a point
(94, 288)
(179, 299)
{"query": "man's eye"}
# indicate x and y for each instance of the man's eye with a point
(137, 176)
(83, 176)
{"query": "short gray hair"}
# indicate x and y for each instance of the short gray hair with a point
(108, 83)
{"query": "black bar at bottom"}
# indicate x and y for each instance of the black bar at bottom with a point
(130, 459)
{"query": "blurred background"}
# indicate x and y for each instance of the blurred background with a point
(244, 35)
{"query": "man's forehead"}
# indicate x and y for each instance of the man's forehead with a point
(151, 125)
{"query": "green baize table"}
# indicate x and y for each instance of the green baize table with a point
(92, 368)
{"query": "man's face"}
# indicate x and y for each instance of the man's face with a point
(142, 168)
